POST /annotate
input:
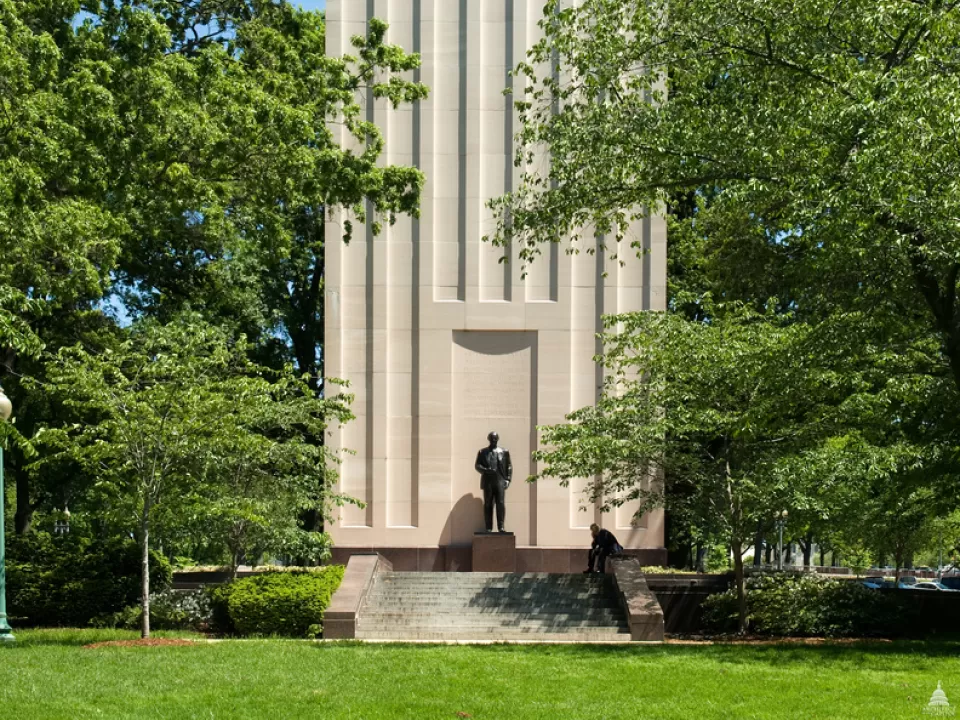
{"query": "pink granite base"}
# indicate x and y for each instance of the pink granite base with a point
(459, 558)
(494, 552)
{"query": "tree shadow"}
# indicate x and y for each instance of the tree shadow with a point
(897, 655)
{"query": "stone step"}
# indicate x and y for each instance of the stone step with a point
(559, 577)
(614, 613)
(464, 598)
(451, 582)
(437, 589)
(455, 622)
(547, 605)
(492, 607)
(490, 628)
(532, 582)
(573, 587)
(500, 635)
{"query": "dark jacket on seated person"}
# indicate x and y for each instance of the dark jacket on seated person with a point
(605, 541)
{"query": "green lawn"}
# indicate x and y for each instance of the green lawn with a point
(49, 675)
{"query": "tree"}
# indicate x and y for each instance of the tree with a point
(702, 405)
(170, 417)
(822, 133)
(58, 235)
(176, 156)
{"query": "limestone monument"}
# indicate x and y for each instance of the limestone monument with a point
(440, 340)
(496, 472)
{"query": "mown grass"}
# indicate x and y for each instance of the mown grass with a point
(49, 675)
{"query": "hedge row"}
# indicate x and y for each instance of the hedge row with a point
(807, 605)
(71, 581)
(289, 604)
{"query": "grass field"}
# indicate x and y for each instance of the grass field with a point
(50, 675)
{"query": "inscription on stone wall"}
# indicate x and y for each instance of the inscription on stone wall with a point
(495, 383)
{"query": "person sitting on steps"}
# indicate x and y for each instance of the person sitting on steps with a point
(604, 545)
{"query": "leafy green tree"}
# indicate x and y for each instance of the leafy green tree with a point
(59, 237)
(815, 137)
(707, 406)
(803, 151)
(229, 197)
(172, 156)
(170, 416)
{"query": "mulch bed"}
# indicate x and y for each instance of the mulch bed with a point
(148, 642)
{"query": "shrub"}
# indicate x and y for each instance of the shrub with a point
(70, 580)
(275, 603)
(169, 610)
(788, 604)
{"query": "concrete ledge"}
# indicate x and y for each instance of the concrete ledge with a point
(340, 619)
(644, 614)
(453, 558)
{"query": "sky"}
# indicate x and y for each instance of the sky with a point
(311, 4)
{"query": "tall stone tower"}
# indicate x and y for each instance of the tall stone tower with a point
(440, 341)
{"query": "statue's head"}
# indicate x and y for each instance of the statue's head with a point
(493, 438)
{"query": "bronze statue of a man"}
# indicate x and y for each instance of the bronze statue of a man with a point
(496, 472)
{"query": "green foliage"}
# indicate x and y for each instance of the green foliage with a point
(71, 580)
(802, 154)
(290, 604)
(169, 610)
(698, 417)
(813, 141)
(184, 431)
(790, 605)
(159, 157)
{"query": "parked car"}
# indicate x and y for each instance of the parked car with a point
(907, 582)
(933, 585)
(951, 583)
(874, 583)
(924, 568)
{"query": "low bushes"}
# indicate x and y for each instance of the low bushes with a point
(290, 604)
(169, 610)
(72, 580)
(807, 605)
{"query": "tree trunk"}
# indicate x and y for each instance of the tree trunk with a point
(23, 519)
(701, 557)
(145, 570)
(741, 586)
(758, 545)
(768, 556)
(823, 556)
(807, 545)
(788, 552)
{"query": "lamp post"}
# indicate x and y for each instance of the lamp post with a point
(781, 521)
(6, 632)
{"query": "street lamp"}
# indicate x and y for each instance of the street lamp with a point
(781, 521)
(6, 632)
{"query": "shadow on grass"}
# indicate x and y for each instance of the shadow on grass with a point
(895, 655)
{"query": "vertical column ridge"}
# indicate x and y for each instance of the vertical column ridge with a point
(462, 116)
(368, 324)
(415, 287)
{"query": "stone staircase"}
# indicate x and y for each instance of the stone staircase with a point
(493, 607)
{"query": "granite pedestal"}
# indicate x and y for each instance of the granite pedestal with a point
(494, 552)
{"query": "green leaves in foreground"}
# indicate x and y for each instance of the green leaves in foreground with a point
(182, 431)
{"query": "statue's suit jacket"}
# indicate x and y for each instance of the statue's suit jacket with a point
(494, 467)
